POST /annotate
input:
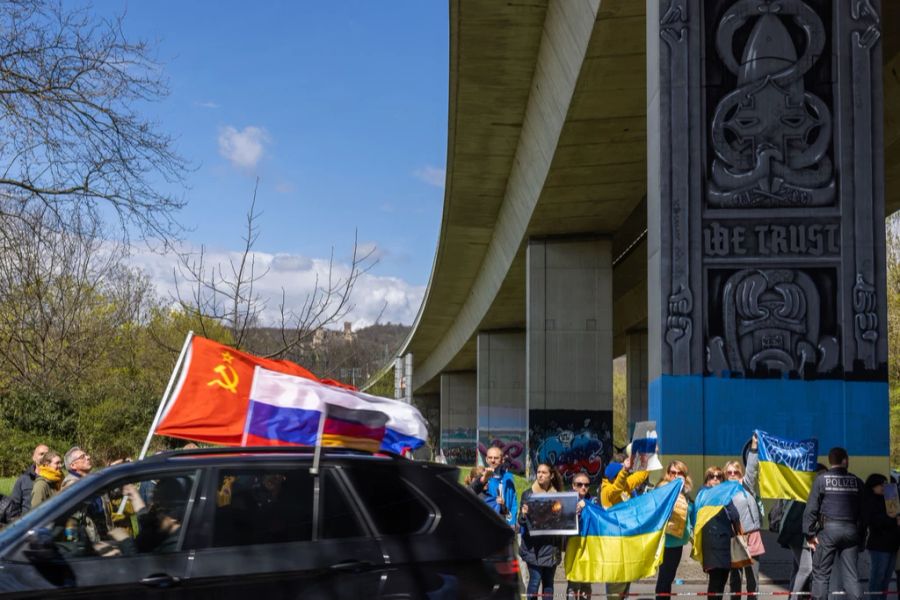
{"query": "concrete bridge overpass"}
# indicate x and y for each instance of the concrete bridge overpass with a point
(540, 277)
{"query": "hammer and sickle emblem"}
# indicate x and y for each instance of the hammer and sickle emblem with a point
(228, 378)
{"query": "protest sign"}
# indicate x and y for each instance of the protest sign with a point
(553, 514)
(645, 447)
(891, 499)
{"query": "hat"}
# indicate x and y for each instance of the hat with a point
(613, 470)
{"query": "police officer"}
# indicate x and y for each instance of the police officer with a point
(831, 525)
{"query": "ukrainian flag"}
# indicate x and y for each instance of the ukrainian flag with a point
(787, 468)
(711, 500)
(623, 543)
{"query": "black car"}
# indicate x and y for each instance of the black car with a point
(254, 523)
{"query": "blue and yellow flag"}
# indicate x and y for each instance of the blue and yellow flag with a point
(711, 500)
(787, 468)
(623, 543)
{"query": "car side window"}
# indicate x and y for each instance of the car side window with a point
(263, 505)
(150, 522)
(339, 520)
(395, 506)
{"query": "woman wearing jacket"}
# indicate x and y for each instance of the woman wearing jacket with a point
(883, 536)
(684, 507)
(541, 553)
(751, 519)
(716, 540)
(49, 478)
(581, 484)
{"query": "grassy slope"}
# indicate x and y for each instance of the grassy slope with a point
(6, 485)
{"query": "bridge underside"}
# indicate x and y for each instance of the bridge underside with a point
(543, 251)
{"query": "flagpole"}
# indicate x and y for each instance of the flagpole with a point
(317, 455)
(165, 397)
(314, 470)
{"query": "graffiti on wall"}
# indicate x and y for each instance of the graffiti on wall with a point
(575, 441)
(512, 443)
(458, 446)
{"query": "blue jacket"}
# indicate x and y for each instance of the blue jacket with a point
(490, 490)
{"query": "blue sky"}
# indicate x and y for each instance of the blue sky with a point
(339, 107)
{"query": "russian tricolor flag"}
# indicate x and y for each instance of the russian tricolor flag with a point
(287, 410)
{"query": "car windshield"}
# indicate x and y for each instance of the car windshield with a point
(36, 517)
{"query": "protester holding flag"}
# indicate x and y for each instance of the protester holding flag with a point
(543, 553)
(620, 485)
(716, 522)
(623, 543)
(581, 590)
(882, 534)
(751, 519)
(679, 528)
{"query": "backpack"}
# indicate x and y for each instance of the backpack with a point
(5, 506)
(777, 514)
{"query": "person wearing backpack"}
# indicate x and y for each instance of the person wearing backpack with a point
(790, 535)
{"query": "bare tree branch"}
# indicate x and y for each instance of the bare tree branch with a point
(71, 138)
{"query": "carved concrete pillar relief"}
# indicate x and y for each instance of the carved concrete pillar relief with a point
(771, 190)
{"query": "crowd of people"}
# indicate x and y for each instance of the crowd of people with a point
(47, 474)
(842, 516)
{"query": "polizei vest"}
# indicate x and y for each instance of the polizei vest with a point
(841, 499)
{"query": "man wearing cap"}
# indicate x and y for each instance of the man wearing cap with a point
(619, 485)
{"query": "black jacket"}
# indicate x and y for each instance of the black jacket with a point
(883, 534)
(790, 535)
(538, 550)
(21, 493)
(836, 495)
(716, 540)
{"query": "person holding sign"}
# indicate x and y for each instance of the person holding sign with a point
(883, 536)
(542, 554)
(679, 529)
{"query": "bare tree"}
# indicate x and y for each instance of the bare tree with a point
(227, 294)
(71, 139)
(61, 295)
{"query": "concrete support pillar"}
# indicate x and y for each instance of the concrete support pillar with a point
(636, 375)
(459, 425)
(765, 226)
(430, 407)
(502, 414)
(569, 325)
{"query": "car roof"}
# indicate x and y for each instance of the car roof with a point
(230, 455)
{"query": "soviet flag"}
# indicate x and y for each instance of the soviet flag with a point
(210, 401)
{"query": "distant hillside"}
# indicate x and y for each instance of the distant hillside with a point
(344, 354)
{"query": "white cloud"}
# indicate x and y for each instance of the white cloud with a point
(243, 148)
(207, 104)
(290, 262)
(390, 298)
(431, 175)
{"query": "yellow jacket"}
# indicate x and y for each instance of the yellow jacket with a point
(622, 487)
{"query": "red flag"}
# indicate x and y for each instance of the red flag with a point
(211, 399)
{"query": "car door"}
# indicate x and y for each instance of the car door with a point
(269, 540)
(88, 549)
